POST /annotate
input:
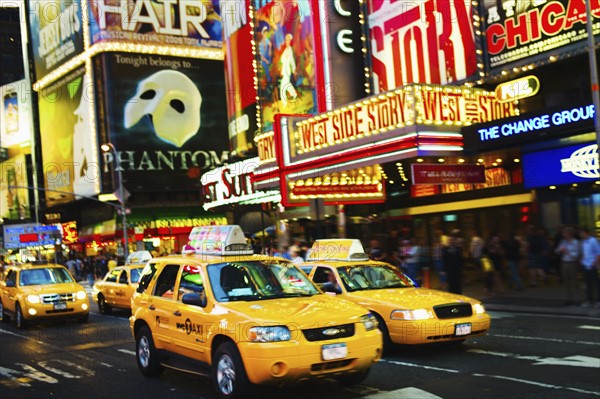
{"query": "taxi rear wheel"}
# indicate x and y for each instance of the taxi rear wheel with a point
(229, 375)
(103, 307)
(21, 322)
(146, 354)
(3, 316)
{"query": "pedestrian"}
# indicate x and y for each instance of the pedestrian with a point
(438, 262)
(453, 265)
(294, 252)
(88, 270)
(476, 249)
(112, 263)
(375, 251)
(412, 259)
(535, 249)
(2, 264)
(590, 262)
(568, 249)
(512, 253)
(493, 250)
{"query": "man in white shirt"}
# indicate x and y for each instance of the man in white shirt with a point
(590, 261)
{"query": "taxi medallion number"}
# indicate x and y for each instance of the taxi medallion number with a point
(462, 329)
(60, 306)
(334, 351)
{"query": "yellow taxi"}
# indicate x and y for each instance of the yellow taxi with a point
(245, 319)
(117, 287)
(33, 292)
(407, 313)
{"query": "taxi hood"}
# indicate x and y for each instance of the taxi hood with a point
(52, 288)
(409, 298)
(299, 312)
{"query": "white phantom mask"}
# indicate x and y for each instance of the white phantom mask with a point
(173, 101)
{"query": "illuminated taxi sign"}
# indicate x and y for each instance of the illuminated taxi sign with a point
(139, 257)
(526, 86)
(218, 240)
(337, 250)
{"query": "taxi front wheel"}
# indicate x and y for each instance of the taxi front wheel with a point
(229, 375)
(146, 354)
(103, 307)
(21, 322)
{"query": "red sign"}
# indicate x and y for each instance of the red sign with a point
(429, 41)
(447, 174)
(28, 237)
(424, 190)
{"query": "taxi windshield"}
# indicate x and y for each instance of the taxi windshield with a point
(258, 280)
(43, 276)
(373, 277)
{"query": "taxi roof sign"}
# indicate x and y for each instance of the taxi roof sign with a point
(337, 250)
(218, 240)
(139, 257)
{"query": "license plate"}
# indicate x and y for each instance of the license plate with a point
(334, 351)
(462, 329)
(60, 306)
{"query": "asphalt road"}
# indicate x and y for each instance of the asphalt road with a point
(524, 356)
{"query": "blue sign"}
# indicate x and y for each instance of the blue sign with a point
(529, 127)
(567, 165)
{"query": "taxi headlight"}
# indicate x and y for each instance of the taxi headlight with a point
(414, 314)
(269, 334)
(369, 321)
(478, 308)
(80, 295)
(33, 299)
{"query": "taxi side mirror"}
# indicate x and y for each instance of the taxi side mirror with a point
(10, 284)
(195, 299)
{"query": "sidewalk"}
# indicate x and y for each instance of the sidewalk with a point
(547, 298)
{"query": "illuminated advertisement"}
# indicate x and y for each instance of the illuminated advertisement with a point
(174, 22)
(566, 165)
(430, 41)
(239, 75)
(69, 147)
(523, 30)
(14, 202)
(233, 184)
(56, 33)
(15, 120)
(285, 50)
(69, 232)
(530, 127)
(166, 117)
(30, 235)
(446, 174)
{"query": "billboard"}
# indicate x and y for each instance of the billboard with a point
(30, 235)
(69, 147)
(166, 117)
(428, 41)
(239, 76)
(447, 174)
(56, 33)
(284, 36)
(15, 117)
(14, 202)
(174, 22)
(566, 165)
(519, 32)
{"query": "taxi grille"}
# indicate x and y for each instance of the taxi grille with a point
(55, 298)
(453, 310)
(327, 333)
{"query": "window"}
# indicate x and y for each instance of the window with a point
(112, 276)
(191, 281)
(135, 274)
(165, 283)
(11, 276)
(321, 275)
(123, 277)
(146, 277)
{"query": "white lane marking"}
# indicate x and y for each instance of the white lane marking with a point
(589, 327)
(36, 374)
(20, 336)
(539, 384)
(72, 366)
(574, 361)
(106, 364)
(14, 377)
(562, 341)
(404, 393)
(419, 366)
(126, 351)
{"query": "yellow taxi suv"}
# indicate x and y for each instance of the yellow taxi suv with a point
(407, 313)
(245, 319)
(116, 288)
(36, 292)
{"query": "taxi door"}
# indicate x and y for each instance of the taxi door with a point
(9, 294)
(109, 285)
(164, 308)
(193, 324)
(122, 294)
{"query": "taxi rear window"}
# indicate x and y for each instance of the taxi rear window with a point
(258, 280)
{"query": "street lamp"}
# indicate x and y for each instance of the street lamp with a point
(109, 147)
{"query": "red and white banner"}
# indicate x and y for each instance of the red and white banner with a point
(426, 41)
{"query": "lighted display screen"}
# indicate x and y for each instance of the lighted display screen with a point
(56, 33)
(15, 117)
(518, 32)
(567, 165)
(427, 41)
